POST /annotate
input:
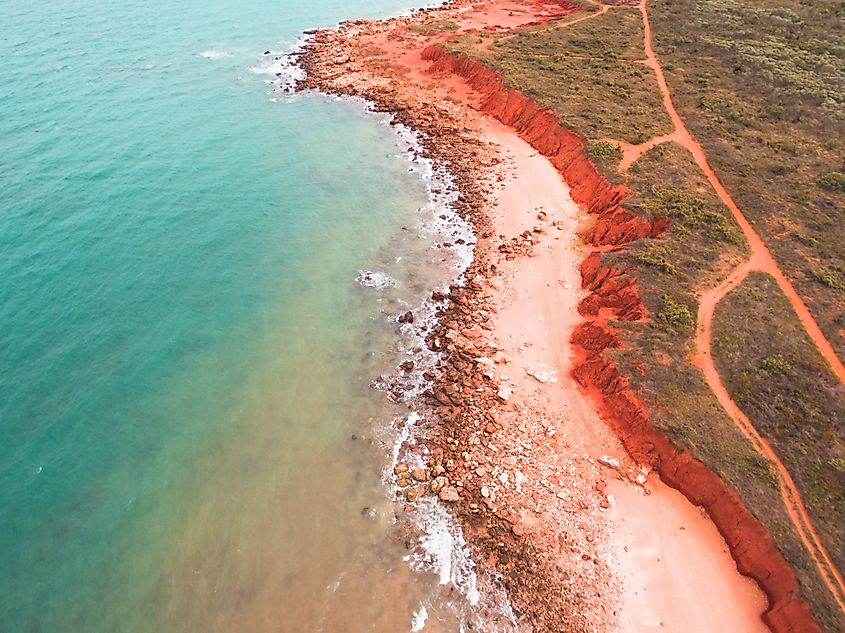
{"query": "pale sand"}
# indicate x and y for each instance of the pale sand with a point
(677, 573)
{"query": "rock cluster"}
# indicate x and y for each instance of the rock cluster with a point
(527, 507)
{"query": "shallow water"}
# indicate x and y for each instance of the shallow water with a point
(186, 354)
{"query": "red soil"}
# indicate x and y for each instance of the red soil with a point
(507, 15)
(614, 294)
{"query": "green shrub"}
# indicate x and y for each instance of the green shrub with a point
(676, 203)
(833, 182)
(675, 314)
(807, 240)
(775, 365)
(604, 149)
(830, 278)
(657, 255)
(690, 210)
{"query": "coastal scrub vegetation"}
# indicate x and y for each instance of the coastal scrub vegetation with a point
(762, 88)
(656, 352)
(703, 245)
(790, 395)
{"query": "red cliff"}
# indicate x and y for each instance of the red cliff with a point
(613, 294)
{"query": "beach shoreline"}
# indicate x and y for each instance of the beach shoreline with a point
(547, 497)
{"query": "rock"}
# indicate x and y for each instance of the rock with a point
(504, 393)
(438, 484)
(610, 462)
(421, 474)
(487, 366)
(501, 357)
(475, 332)
(413, 494)
(449, 493)
(400, 468)
(542, 373)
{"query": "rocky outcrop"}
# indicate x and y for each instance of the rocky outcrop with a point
(610, 289)
(613, 293)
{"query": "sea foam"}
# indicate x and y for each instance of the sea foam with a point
(282, 67)
(419, 619)
(442, 549)
(214, 54)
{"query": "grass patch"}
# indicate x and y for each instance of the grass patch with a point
(793, 399)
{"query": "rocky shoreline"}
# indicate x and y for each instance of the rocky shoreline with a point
(488, 469)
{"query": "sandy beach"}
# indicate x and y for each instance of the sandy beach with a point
(674, 568)
(584, 537)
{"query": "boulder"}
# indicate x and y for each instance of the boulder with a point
(450, 494)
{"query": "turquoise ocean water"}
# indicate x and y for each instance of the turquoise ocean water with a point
(184, 350)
